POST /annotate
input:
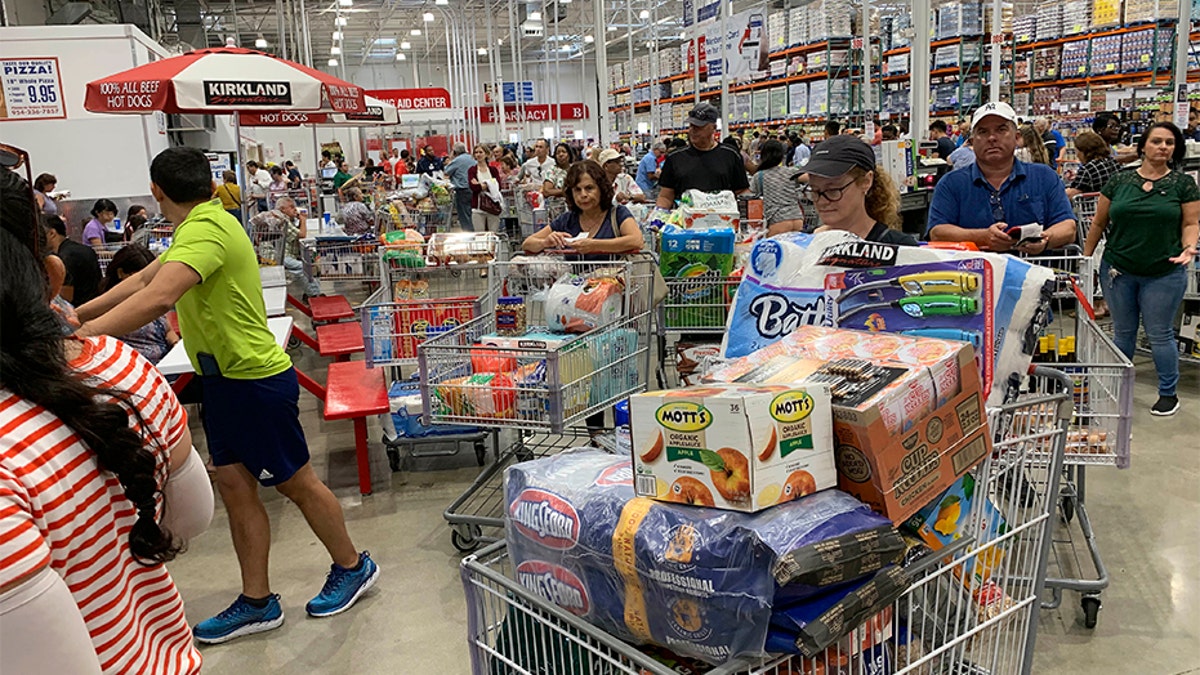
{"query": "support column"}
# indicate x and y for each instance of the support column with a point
(599, 31)
(918, 100)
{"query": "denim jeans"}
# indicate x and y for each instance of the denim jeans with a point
(462, 205)
(1156, 300)
(294, 269)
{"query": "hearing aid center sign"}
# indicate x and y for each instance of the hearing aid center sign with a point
(32, 89)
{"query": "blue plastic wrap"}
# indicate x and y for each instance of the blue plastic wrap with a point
(698, 581)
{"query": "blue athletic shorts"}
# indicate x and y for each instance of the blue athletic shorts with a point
(256, 423)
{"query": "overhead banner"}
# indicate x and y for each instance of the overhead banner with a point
(746, 43)
(282, 119)
(430, 98)
(534, 113)
(32, 90)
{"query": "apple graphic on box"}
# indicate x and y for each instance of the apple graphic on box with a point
(732, 479)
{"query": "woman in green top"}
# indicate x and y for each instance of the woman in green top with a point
(1153, 217)
(342, 176)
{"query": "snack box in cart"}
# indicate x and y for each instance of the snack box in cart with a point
(734, 447)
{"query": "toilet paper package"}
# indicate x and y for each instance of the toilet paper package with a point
(577, 304)
(784, 288)
(698, 581)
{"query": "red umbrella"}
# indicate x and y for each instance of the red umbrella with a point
(223, 80)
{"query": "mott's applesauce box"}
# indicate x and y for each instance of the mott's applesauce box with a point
(735, 447)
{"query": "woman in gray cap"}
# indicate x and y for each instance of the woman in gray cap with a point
(851, 193)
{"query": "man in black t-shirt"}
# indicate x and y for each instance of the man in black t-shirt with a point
(940, 133)
(83, 267)
(704, 164)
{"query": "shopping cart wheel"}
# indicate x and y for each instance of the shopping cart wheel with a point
(465, 538)
(1091, 607)
(1067, 505)
(293, 342)
(393, 455)
(480, 453)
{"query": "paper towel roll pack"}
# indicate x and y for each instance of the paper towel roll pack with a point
(701, 582)
(577, 304)
(784, 288)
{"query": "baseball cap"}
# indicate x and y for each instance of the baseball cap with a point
(607, 155)
(997, 108)
(835, 156)
(705, 113)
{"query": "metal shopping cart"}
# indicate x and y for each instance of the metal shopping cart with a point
(342, 259)
(556, 382)
(942, 624)
(268, 235)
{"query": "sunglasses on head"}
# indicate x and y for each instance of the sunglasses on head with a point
(13, 158)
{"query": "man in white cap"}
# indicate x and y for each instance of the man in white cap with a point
(704, 165)
(980, 203)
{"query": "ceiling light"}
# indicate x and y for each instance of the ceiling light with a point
(482, 51)
(335, 50)
(401, 56)
(535, 16)
(428, 17)
(332, 62)
(644, 14)
(415, 31)
(261, 42)
(500, 41)
(565, 48)
(406, 45)
(589, 39)
(441, 2)
(339, 21)
(612, 29)
(346, 3)
(337, 35)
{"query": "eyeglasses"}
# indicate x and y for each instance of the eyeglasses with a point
(831, 195)
(997, 208)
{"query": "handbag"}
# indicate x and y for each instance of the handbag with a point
(487, 203)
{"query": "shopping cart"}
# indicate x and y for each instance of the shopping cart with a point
(554, 383)
(530, 220)
(1084, 206)
(939, 625)
(344, 259)
(447, 265)
(477, 516)
(268, 236)
(812, 220)
(105, 253)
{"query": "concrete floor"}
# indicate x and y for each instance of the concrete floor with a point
(1147, 520)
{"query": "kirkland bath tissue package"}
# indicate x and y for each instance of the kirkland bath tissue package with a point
(699, 581)
(785, 287)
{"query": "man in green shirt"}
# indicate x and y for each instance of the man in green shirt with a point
(251, 415)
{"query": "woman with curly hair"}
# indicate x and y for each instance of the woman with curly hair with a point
(854, 195)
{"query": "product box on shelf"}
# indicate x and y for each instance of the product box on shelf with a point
(797, 26)
(1049, 20)
(798, 98)
(739, 447)
(1046, 63)
(1024, 28)
(1075, 59)
(1147, 11)
(896, 64)
(1077, 17)
(777, 31)
(1106, 13)
(777, 99)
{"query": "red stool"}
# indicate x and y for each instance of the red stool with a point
(340, 340)
(327, 308)
(354, 391)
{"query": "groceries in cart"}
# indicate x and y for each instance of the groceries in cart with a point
(394, 330)
(694, 264)
(461, 248)
(704, 583)
(738, 447)
(578, 303)
(709, 210)
(406, 411)
(784, 287)
(908, 412)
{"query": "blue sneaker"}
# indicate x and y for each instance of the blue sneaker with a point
(343, 587)
(241, 618)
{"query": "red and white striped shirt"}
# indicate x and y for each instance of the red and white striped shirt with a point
(57, 507)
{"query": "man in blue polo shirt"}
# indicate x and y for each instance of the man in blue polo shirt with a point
(981, 202)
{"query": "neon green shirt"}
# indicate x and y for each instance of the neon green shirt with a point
(224, 315)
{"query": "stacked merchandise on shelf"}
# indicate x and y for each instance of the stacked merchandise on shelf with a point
(760, 103)
(1076, 17)
(798, 99)
(970, 94)
(616, 76)
(895, 102)
(1047, 63)
(946, 56)
(1073, 99)
(896, 64)
(1044, 100)
(1021, 69)
(1107, 55)
(797, 26)
(1021, 102)
(796, 65)
(839, 96)
(829, 19)
(959, 19)
(944, 96)
(1148, 49)
(1049, 20)
(1024, 28)
(1149, 11)
(1074, 59)
(777, 31)
(818, 97)
(777, 101)
(1106, 14)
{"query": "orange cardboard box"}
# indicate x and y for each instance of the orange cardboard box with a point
(897, 474)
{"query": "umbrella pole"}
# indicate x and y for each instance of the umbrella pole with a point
(241, 167)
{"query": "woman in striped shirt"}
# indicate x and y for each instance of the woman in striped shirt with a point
(99, 485)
